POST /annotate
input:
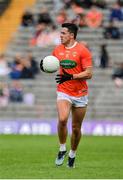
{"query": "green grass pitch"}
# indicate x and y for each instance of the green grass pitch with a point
(32, 157)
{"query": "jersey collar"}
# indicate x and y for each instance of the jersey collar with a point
(71, 46)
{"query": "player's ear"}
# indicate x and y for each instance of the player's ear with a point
(72, 35)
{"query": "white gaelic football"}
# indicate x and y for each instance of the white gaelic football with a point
(50, 64)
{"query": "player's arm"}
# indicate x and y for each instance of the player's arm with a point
(86, 74)
(86, 61)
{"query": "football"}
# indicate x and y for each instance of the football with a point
(49, 64)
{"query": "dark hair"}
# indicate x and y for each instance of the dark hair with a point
(72, 28)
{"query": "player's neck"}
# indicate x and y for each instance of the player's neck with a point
(71, 44)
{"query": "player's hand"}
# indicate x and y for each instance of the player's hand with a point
(41, 65)
(60, 78)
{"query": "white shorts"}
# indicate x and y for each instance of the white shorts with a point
(75, 101)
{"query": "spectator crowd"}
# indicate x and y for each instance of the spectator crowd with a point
(22, 67)
(82, 12)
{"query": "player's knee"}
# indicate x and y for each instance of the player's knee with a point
(76, 130)
(63, 122)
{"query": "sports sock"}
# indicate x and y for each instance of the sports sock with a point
(72, 154)
(62, 147)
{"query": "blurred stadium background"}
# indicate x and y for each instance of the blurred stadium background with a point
(29, 30)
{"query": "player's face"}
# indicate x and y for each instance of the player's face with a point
(65, 36)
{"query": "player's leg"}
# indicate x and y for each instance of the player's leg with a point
(78, 114)
(63, 108)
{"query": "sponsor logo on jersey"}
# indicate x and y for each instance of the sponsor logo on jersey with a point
(68, 64)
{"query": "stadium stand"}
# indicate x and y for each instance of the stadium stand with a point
(10, 20)
(4, 5)
(105, 100)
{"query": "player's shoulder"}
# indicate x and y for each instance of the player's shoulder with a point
(83, 45)
(58, 47)
(84, 49)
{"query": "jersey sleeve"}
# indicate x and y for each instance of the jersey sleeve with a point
(54, 52)
(86, 58)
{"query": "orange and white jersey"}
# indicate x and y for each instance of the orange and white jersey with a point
(73, 60)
